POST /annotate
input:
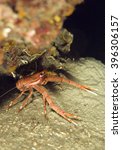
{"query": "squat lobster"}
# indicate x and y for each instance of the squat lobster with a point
(36, 81)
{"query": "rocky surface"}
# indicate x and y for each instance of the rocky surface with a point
(30, 130)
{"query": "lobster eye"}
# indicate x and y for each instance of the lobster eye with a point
(42, 74)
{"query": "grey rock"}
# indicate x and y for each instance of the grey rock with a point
(30, 130)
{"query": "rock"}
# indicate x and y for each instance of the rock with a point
(30, 130)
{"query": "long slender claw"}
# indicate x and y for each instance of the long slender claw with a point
(61, 79)
(67, 115)
(72, 116)
(71, 121)
(91, 91)
(53, 106)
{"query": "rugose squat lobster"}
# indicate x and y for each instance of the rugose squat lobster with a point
(37, 82)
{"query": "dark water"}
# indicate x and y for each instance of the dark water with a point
(87, 24)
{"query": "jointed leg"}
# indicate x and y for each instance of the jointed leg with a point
(13, 102)
(61, 79)
(44, 101)
(61, 112)
(25, 102)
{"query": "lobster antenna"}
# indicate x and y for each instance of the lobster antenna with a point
(7, 91)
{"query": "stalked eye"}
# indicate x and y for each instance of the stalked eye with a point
(42, 74)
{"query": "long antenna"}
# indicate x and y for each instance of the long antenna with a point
(7, 91)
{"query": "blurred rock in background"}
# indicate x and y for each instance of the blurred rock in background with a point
(28, 27)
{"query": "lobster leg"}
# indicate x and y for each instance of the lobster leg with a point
(13, 102)
(61, 79)
(25, 102)
(53, 106)
(44, 101)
